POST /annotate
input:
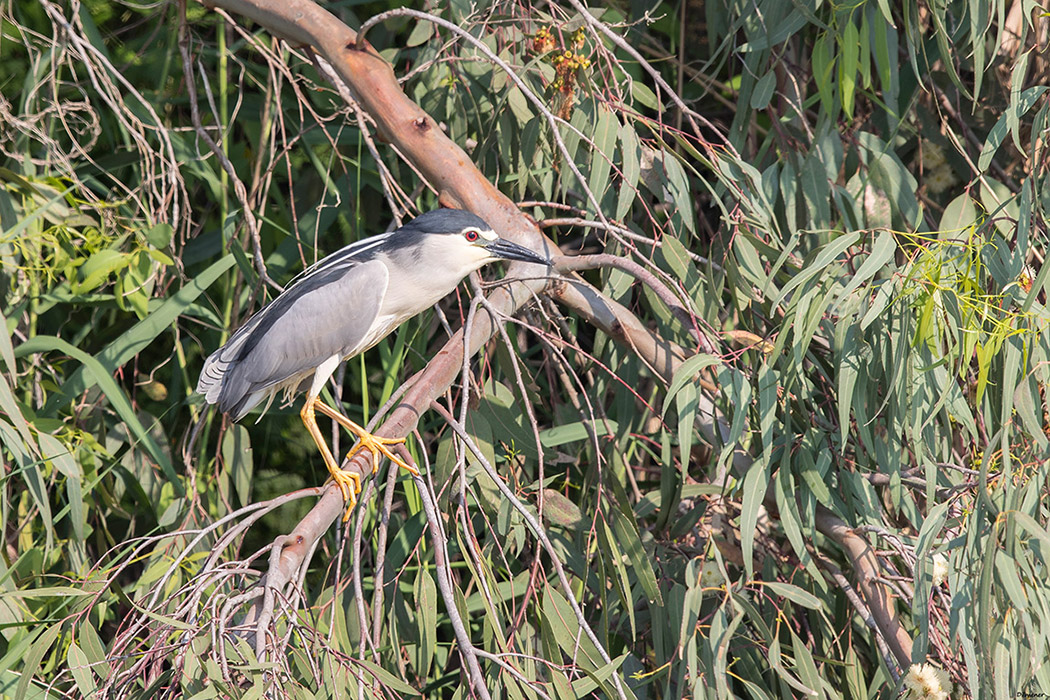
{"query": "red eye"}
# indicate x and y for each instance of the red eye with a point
(471, 236)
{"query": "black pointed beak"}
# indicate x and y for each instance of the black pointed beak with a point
(502, 248)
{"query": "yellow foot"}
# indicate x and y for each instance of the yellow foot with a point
(380, 446)
(349, 485)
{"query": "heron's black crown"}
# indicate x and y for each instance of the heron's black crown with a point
(449, 221)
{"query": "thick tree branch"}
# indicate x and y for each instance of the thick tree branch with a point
(399, 120)
(879, 598)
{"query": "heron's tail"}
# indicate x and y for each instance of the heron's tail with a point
(215, 369)
(221, 383)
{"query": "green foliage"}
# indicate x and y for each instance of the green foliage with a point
(858, 222)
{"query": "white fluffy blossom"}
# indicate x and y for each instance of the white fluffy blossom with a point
(927, 682)
(937, 171)
(940, 569)
(710, 577)
(933, 156)
(939, 179)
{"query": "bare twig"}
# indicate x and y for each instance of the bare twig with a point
(390, 187)
(625, 232)
(444, 581)
(238, 186)
(539, 532)
(576, 263)
(165, 193)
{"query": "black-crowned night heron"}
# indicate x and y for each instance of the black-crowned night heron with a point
(340, 307)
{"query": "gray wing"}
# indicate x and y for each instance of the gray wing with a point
(323, 314)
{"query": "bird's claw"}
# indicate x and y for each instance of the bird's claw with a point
(379, 446)
(349, 483)
(349, 486)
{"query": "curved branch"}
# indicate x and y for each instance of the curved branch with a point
(879, 598)
(564, 263)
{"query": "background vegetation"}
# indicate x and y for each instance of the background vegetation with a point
(857, 224)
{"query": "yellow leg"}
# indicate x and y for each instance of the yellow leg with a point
(349, 484)
(366, 440)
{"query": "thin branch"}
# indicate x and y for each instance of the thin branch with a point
(390, 187)
(444, 581)
(613, 228)
(238, 186)
(539, 532)
(564, 263)
(861, 608)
